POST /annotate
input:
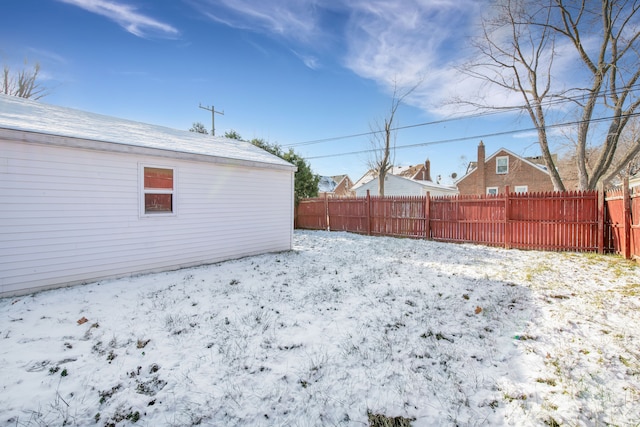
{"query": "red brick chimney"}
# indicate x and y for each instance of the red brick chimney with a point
(481, 169)
(426, 173)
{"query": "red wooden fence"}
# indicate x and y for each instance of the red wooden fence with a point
(555, 221)
(622, 222)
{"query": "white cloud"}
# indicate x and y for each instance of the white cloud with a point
(127, 17)
(309, 60)
(419, 40)
(379, 40)
(388, 42)
(48, 55)
(290, 19)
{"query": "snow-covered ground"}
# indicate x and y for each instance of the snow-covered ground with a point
(342, 326)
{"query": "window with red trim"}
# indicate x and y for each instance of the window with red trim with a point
(158, 190)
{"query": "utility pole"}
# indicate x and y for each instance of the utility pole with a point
(213, 120)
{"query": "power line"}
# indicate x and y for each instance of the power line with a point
(355, 135)
(466, 138)
(451, 119)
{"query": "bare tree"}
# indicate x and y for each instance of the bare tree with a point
(518, 51)
(626, 144)
(23, 83)
(383, 139)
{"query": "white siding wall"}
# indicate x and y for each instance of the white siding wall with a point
(393, 186)
(71, 216)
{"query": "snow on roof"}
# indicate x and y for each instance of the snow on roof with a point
(424, 184)
(326, 184)
(370, 175)
(35, 117)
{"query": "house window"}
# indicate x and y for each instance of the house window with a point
(492, 191)
(158, 190)
(521, 188)
(502, 165)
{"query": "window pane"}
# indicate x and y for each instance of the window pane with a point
(521, 189)
(154, 203)
(502, 165)
(158, 178)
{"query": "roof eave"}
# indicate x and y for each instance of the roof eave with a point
(73, 142)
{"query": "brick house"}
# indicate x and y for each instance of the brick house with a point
(335, 186)
(492, 174)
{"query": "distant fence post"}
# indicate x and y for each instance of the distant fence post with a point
(601, 218)
(507, 229)
(626, 218)
(326, 212)
(427, 219)
(367, 210)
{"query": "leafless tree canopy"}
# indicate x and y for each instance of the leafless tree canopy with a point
(23, 83)
(567, 58)
(383, 138)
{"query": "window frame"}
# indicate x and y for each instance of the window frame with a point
(520, 188)
(144, 191)
(506, 171)
(488, 191)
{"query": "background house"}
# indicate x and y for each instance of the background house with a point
(419, 172)
(503, 168)
(335, 186)
(400, 186)
(403, 181)
(87, 197)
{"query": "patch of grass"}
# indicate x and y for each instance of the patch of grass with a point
(551, 422)
(630, 290)
(548, 381)
(511, 397)
(437, 335)
(107, 394)
(379, 420)
(150, 387)
(535, 270)
(624, 361)
(121, 415)
(615, 263)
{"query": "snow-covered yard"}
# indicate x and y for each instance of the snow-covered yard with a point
(341, 327)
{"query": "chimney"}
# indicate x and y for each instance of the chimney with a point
(480, 182)
(426, 174)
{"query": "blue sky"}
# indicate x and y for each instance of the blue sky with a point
(287, 71)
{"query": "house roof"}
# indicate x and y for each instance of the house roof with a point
(404, 171)
(326, 184)
(339, 178)
(410, 171)
(19, 114)
(424, 184)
